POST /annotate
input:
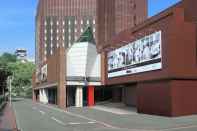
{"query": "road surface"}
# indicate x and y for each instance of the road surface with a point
(39, 117)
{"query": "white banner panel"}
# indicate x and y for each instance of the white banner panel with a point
(139, 56)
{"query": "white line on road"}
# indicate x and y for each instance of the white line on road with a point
(58, 121)
(91, 122)
(42, 112)
(84, 123)
(80, 116)
(72, 123)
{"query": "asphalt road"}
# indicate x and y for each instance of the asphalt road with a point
(39, 117)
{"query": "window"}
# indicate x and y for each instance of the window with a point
(69, 30)
(57, 45)
(45, 23)
(88, 22)
(69, 37)
(51, 23)
(94, 30)
(63, 44)
(135, 20)
(45, 38)
(94, 22)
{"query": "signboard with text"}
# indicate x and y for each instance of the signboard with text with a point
(139, 56)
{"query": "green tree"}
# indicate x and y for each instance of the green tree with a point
(22, 77)
(7, 58)
(21, 72)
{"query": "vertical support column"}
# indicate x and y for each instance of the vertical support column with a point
(33, 95)
(91, 96)
(79, 96)
(33, 86)
(61, 68)
(45, 96)
(40, 94)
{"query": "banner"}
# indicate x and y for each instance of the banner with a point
(139, 56)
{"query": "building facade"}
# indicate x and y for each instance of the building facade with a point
(60, 24)
(153, 65)
(21, 54)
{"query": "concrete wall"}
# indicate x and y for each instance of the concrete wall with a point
(43, 93)
(130, 95)
(169, 91)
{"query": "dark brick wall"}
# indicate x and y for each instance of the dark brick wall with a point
(169, 91)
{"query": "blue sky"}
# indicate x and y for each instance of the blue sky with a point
(17, 23)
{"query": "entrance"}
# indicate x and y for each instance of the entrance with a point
(37, 95)
(115, 95)
(80, 96)
(70, 91)
(52, 96)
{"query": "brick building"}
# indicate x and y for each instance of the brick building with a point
(153, 65)
(60, 24)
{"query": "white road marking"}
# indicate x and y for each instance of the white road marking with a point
(58, 121)
(78, 123)
(81, 116)
(42, 112)
(72, 123)
(91, 122)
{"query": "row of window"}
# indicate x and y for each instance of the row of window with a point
(69, 33)
(69, 22)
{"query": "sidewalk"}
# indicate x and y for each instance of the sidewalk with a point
(7, 119)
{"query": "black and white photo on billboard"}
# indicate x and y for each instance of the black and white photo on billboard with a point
(139, 56)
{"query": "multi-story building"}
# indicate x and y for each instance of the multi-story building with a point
(89, 23)
(21, 54)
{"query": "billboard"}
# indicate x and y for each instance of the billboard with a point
(139, 56)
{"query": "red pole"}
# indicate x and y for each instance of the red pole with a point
(91, 96)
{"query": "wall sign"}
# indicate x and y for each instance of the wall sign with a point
(139, 56)
(44, 73)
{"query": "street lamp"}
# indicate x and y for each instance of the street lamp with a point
(10, 89)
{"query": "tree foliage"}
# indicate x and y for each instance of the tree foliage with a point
(21, 72)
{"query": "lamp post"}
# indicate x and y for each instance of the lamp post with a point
(10, 89)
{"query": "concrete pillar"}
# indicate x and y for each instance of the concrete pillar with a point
(61, 89)
(40, 94)
(45, 96)
(116, 94)
(91, 96)
(79, 96)
(33, 95)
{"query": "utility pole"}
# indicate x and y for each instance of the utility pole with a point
(10, 90)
